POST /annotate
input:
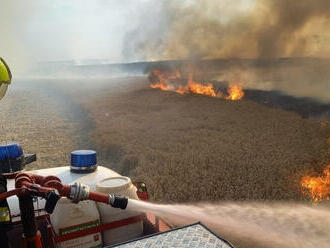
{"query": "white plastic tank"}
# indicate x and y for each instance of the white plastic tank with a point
(70, 217)
(121, 186)
(67, 177)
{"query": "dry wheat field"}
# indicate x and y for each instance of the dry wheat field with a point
(191, 147)
(185, 147)
(31, 118)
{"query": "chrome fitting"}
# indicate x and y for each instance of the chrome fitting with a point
(111, 199)
(79, 192)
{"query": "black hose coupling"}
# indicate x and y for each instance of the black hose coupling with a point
(117, 201)
(51, 201)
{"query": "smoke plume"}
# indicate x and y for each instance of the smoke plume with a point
(263, 30)
(227, 29)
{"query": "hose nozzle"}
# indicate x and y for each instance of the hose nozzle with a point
(80, 192)
(117, 201)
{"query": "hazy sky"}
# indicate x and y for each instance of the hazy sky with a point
(63, 29)
(52, 30)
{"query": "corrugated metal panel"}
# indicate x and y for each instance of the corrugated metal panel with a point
(195, 235)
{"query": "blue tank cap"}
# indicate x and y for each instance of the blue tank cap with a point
(83, 158)
(10, 151)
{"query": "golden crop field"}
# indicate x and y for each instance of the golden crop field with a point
(185, 147)
(191, 147)
(32, 118)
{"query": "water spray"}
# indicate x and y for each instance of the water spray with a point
(267, 224)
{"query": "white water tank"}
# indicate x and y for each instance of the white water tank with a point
(121, 186)
(70, 217)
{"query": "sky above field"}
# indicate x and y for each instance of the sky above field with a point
(46, 30)
(64, 30)
(132, 30)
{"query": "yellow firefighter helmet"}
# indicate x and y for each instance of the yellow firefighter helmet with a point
(5, 78)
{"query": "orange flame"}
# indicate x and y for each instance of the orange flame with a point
(235, 93)
(196, 88)
(317, 187)
(159, 86)
(162, 80)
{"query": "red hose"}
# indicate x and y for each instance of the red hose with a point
(11, 193)
(98, 197)
(28, 185)
(33, 182)
(63, 189)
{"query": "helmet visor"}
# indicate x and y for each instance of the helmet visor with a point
(5, 74)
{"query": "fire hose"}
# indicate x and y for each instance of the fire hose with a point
(51, 189)
(36, 185)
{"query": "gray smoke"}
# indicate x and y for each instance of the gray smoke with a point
(226, 29)
(259, 29)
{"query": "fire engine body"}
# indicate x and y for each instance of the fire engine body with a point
(152, 224)
(28, 200)
(31, 198)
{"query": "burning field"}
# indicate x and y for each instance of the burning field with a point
(222, 106)
(174, 81)
(193, 140)
(318, 187)
(189, 136)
